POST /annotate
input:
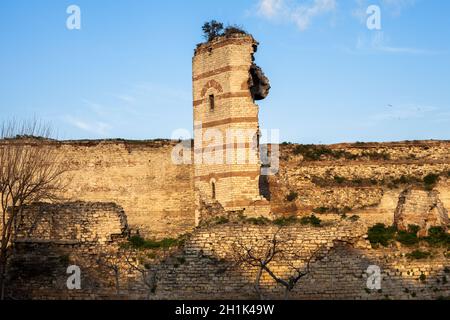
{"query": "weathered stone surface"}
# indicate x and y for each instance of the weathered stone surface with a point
(74, 222)
(420, 208)
(139, 176)
(369, 182)
(224, 80)
(206, 270)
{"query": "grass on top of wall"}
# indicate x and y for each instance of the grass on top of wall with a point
(139, 243)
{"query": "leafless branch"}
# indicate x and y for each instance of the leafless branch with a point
(30, 171)
(149, 276)
(261, 254)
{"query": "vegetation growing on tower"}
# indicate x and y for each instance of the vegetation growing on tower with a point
(214, 29)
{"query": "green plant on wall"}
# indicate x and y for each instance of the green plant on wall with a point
(419, 255)
(438, 237)
(409, 238)
(381, 235)
(139, 243)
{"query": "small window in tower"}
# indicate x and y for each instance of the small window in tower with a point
(213, 190)
(211, 102)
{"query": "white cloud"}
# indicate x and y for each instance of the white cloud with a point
(126, 98)
(139, 101)
(379, 42)
(395, 7)
(300, 14)
(95, 127)
(360, 12)
(270, 8)
(392, 7)
(95, 107)
(304, 14)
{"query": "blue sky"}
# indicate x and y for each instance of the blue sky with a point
(127, 72)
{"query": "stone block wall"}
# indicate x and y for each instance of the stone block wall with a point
(54, 237)
(139, 181)
(206, 267)
(369, 179)
(159, 200)
(74, 222)
(420, 208)
(140, 176)
(209, 271)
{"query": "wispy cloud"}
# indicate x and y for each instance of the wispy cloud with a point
(303, 15)
(126, 98)
(395, 7)
(377, 41)
(94, 127)
(95, 107)
(392, 7)
(161, 94)
(140, 103)
(300, 14)
(270, 8)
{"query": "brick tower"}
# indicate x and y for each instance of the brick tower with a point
(226, 84)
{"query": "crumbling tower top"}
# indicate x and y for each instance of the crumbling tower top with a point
(258, 83)
(223, 40)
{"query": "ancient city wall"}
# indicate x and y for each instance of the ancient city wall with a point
(364, 179)
(136, 185)
(156, 195)
(53, 237)
(209, 271)
(159, 200)
(206, 267)
(71, 223)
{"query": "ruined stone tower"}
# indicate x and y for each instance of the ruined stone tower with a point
(226, 83)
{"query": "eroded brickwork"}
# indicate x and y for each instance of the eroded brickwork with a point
(367, 179)
(226, 125)
(156, 194)
(420, 208)
(72, 222)
(209, 271)
(90, 235)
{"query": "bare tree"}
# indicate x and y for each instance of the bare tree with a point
(261, 255)
(111, 261)
(148, 273)
(30, 171)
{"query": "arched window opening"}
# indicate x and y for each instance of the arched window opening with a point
(212, 102)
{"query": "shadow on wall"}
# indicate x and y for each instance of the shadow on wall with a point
(40, 271)
(207, 268)
(209, 273)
